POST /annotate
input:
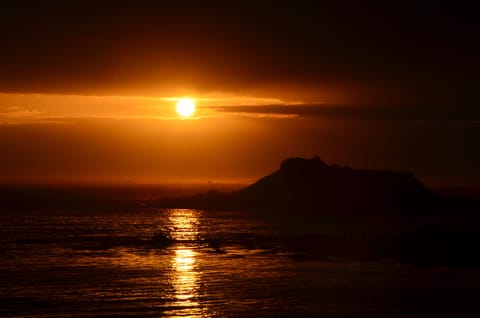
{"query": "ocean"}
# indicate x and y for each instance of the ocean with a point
(218, 264)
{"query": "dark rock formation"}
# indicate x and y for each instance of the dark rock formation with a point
(161, 240)
(312, 186)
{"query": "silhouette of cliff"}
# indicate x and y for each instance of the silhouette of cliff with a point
(312, 186)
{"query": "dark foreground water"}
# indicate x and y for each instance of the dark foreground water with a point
(222, 264)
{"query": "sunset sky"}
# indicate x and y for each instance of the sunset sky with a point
(88, 89)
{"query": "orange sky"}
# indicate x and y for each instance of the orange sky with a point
(72, 138)
(88, 89)
(115, 138)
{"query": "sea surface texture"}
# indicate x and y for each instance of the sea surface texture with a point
(205, 264)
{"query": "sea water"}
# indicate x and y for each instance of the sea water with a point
(217, 264)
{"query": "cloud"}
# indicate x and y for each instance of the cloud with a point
(19, 112)
(43, 108)
(308, 50)
(412, 113)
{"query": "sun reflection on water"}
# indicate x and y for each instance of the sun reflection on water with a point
(184, 223)
(177, 277)
(185, 278)
(176, 274)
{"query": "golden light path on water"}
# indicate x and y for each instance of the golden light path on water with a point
(179, 273)
(185, 274)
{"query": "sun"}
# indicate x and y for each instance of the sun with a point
(185, 107)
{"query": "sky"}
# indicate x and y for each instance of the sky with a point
(88, 89)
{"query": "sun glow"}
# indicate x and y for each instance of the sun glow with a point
(185, 107)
